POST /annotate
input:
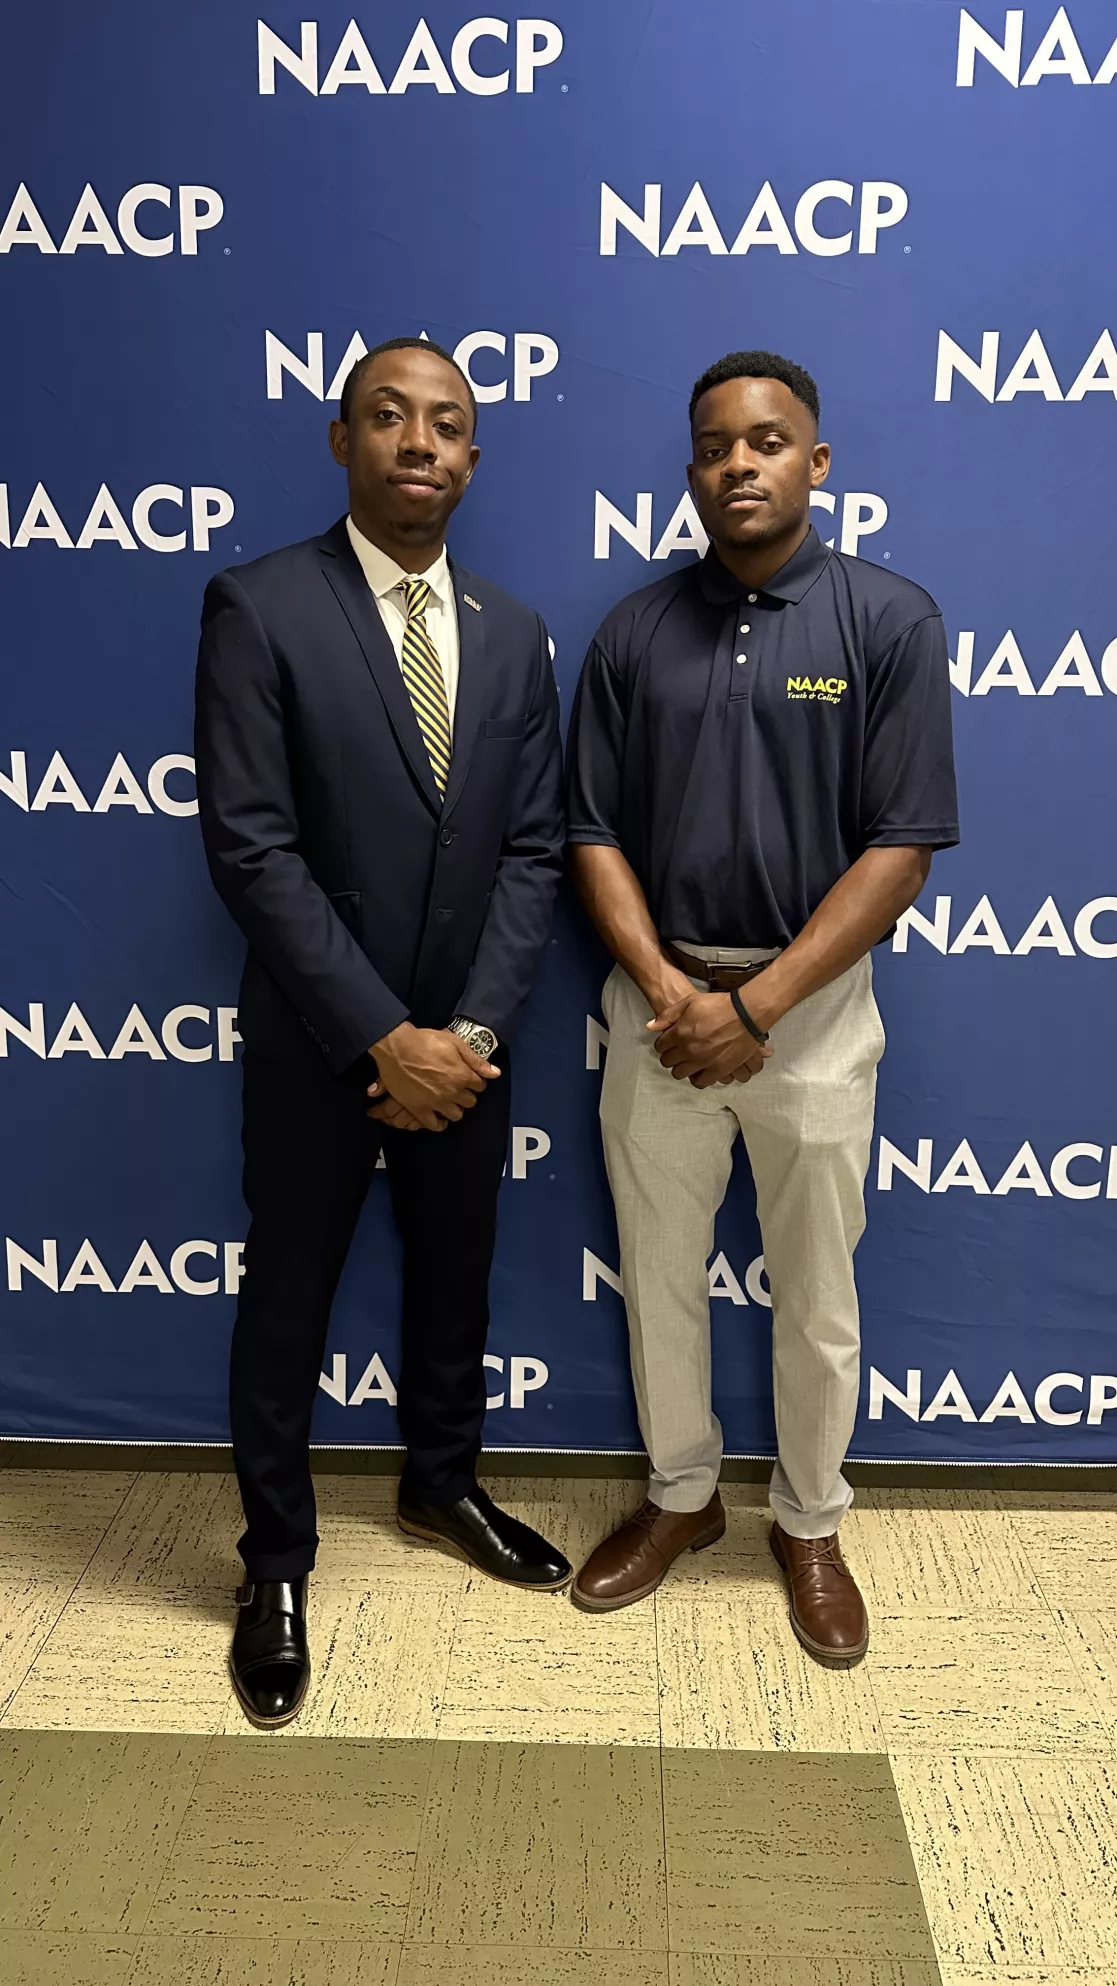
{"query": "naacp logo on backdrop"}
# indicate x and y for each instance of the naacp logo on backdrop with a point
(532, 355)
(57, 786)
(635, 521)
(512, 54)
(192, 211)
(1094, 1175)
(791, 223)
(981, 929)
(195, 515)
(1058, 51)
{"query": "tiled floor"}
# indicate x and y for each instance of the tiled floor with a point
(491, 1787)
(181, 1850)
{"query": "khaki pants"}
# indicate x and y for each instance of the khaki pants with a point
(807, 1122)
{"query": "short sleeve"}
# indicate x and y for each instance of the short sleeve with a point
(908, 793)
(595, 754)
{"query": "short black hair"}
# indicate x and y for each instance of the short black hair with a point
(758, 365)
(403, 345)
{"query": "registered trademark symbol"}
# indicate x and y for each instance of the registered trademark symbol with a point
(236, 548)
(228, 251)
(565, 89)
(886, 555)
(560, 396)
(907, 251)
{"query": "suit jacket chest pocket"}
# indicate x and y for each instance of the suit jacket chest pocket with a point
(505, 730)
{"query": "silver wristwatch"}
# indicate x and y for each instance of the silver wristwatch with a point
(481, 1039)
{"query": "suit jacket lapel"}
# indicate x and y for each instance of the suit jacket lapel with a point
(343, 572)
(471, 684)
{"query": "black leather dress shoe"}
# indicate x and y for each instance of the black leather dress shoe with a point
(269, 1659)
(491, 1540)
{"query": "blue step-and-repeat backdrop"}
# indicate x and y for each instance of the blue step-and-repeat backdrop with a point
(205, 215)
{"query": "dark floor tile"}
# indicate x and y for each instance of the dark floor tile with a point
(781, 1854)
(87, 1821)
(47, 1958)
(737, 1969)
(204, 1960)
(485, 1965)
(297, 1837)
(555, 1846)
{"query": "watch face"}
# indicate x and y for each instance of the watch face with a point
(481, 1039)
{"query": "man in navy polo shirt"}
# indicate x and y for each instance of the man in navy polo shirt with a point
(760, 769)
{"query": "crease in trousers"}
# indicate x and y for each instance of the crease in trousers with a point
(310, 1152)
(807, 1123)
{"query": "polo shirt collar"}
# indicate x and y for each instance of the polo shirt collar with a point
(383, 574)
(791, 582)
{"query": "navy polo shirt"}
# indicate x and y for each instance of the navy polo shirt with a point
(742, 747)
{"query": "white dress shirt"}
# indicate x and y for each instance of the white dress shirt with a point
(386, 581)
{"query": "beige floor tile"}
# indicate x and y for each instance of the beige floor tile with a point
(737, 1969)
(88, 1824)
(362, 1544)
(936, 1551)
(316, 1839)
(487, 1966)
(1091, 1636)
(734, 1678)
(530, 1668)
(781, 1856)
(175, 1539)
(1072, 1547)
(1010, 1975)
(1015, 1857)
(981, 1682)
(204, 1960)
(155, 1667)
(29, 1609)
(37, 1958)
(52, 1520)
(541, 1845)
(378, 1665)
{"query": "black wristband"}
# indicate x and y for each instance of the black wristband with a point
(746, 1019)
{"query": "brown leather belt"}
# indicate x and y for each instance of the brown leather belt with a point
(718, 978)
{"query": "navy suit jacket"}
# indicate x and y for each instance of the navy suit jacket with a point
(365, 899)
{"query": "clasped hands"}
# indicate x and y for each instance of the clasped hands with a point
(426, 1078)
(701, 1037)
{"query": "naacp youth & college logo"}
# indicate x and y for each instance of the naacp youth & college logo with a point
(816, 689)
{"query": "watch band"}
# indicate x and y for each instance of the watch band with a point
(465, 1026)
(746, 1019)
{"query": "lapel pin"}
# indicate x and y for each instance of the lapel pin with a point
(471, 602)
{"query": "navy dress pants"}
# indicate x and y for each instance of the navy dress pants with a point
(309, 1154)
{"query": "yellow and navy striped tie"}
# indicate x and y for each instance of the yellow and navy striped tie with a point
(426, 685)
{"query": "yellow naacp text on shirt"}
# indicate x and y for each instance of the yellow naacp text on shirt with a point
(818, 689)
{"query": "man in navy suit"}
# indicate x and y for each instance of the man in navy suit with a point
(379, 783)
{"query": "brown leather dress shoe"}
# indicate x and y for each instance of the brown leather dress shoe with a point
(827, 1611)
(638, 1557)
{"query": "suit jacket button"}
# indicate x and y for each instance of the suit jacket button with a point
(446, 837)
